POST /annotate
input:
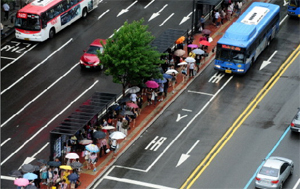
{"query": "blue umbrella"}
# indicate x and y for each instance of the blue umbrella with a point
(164, 80)
(92, 148)
(30, 176)
(73, 177)
(167, 76)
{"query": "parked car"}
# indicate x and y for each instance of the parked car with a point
(274, 172)
(295, 124)
(90, 59)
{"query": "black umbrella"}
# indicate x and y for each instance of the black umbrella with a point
(130, 113)
(43, 161)
(99, 134)
(76, 165)
(15, 173)
(73, 177)
(28, 168)
(114, 107)
(30, 187)
(54, 163)
(124, 99)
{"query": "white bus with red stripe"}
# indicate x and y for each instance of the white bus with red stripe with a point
(42, 19)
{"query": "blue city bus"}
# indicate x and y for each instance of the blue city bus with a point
(246, 38)
(294, 8)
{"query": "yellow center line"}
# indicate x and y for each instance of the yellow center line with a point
(238, 122)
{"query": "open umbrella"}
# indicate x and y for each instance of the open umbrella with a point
(205, 43)
(66, 167)
(160, 80)
(117, 135)
(151, 84)
(170, 71)
(30, 187)
(182, 63)
(92, 148)
(85, 142)
(43, 161)
(124, 99)
(167, 76)
(134, 89)
(127, 113)
(192, 45)
(198, 51)
(180, 40)
(108, 127)
(99, 134)
(206, 31)
(30, 176)
(54, 163)
(21, 182)
(76, 165)
(72, 156)
(73, 177)
(15, 173)
(114, 107)
(132, 105)
(179, 52)
(190, 59)
(28, 168)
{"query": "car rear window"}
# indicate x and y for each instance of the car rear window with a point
(94, 49)
(269, 171)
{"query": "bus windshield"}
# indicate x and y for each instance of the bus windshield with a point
(231, 56)
(28, 22)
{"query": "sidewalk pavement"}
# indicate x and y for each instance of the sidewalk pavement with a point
(8, 25)
(150, 113)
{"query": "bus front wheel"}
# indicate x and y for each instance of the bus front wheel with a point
(51, 33)
(84, 12)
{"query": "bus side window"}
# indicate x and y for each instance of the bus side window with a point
(44, 20)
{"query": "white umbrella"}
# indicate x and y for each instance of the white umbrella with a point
(182, 63)
(85, 142)
(179, 52)
(134, 89)
(198, 51)
(170, 71)
(190, 59)
(72, 156)
(108, 127)
(117, 135)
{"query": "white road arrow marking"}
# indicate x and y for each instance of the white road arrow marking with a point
(184, 157)
(149, 4)
(166, 20)
(267, 62)
(180, 117)
(126, 10)
(184, 19)
(285, 2)
(154, 15)
(103, 14)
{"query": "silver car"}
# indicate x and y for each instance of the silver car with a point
(295, 124)
(274, 172)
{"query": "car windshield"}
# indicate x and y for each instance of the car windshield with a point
(269, 171)
(93, 49)
(32, 22)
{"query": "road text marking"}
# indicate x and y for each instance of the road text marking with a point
(156, 144)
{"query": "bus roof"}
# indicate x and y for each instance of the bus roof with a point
(39, 6)
(243, 32)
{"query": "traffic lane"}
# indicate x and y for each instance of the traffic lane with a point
(256, 137)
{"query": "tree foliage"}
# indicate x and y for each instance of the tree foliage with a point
(128, 56)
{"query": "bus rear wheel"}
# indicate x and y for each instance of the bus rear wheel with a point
(51, 33)
(84, 12)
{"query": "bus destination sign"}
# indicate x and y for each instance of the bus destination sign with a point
(231, 47)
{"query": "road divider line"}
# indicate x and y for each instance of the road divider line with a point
(238, 122)
(49, 122)
(7, 178)
(18, 57)
(7, 58)
(200, 93)
(296, 185)
(35, 67)
(30, 102)
(5, 141)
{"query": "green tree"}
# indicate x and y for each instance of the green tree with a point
(128, 56)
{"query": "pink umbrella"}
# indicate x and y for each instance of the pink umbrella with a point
(206, 43)
(151, 84)
(192, 45)
(132, 105)
(21, 182)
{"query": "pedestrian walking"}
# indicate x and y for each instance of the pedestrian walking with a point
(173, 81)
(149, 96)
(189, 40)
(191, 69)
(63, 184)
(198, 61)
(230, 11)
(125, 126)
(86, 159)
(202, 22)
(139, 101)
(133, 97)
(184, 73)
(166, 86)
(49, 178)
(44, 174)
(6, 9)
(119, 124)
(223, 16)
(93, 160)
(103, 146)
(218, 18)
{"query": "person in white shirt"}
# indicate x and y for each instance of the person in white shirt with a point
(6, 8)
(133, 97)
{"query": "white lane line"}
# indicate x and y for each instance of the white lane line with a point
(18, 57)
(144, 184)
(200, 93)
(100, 180)
(5, 141)
(7, 58)
(296, 185)
(166, 20)
(39, 95)
(7, 178)
(103, 14)
(283, 20)
(186, 110)
(149, 4)
(35, 67)
(49, 122)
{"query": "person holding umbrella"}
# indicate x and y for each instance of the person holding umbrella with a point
(93, 160)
